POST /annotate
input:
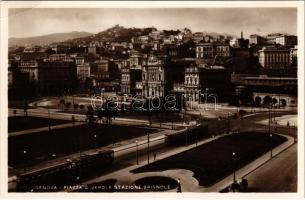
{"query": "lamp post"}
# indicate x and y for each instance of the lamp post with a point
(270, 145)
(228, 128)
(269, 122)
(95, 137)
(148, 147)
(206, 97)
(24, 156)
(49, 120)
(113, 141)
(234, 168)
(137, 152)
(73, 120)
(186, 136)
(294, 134)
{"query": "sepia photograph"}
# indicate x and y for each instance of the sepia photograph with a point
(151, 97)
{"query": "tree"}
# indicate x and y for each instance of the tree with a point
(246, 97)
(283, 102)
(258, 101)
(81, 106)
(68, 105)
(25, 108)
(75, 106)
(90, 115)
(274, 101)
(62, 103)
(267, 100)
(109, 112)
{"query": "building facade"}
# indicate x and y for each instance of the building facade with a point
(153, 78)
(274, 57)
(287, 40)
(130, 79)
(83, 71)
(192, 84)
(210, 50)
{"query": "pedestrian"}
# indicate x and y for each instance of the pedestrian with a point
(155, 155)
(179, 185)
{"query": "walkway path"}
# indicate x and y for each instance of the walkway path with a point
(271, 176)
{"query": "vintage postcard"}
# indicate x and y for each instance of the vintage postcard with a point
(149, 99)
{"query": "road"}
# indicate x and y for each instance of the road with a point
(279, 174)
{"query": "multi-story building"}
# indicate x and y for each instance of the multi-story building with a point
(92, 49)
(129, 79)
(287, 40)
(294, 56)
(83, 71)
(154, 78)
(142, 39)
(274, 57)
(271, 38)
(239, 42)
(30, 67)
(79, 60)
(60, 58)
(56, 76)
(50, 77)
(198, 36)
(135, 61)
(192, 83)
(102, 68)
(214, 81)
(210, 50)
(282, 90)
(155, 35)
(257, 40)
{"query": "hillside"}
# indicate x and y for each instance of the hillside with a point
(47, 39)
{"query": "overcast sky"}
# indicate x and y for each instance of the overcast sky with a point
(40, 21)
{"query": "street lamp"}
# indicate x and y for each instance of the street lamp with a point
(270, 145)
(269, 122)
(186, 136)
(113, 141)
(95, 136)
(206, 97)
(73, 120)
(234, 168)
(228, 128)
(148, 147)
(49, 120)
(137, 152)
(294, 134)
(24, 156)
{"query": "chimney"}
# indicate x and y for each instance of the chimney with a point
(241, 35)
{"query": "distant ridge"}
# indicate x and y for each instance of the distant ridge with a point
(47, 39)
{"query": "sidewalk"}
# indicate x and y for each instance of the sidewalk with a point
(82, 117)
(46, 128)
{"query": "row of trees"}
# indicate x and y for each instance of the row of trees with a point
(246, 98)
(67, 105)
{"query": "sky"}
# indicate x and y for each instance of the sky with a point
(262, 21)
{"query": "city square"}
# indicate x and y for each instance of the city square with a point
(154, 106)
